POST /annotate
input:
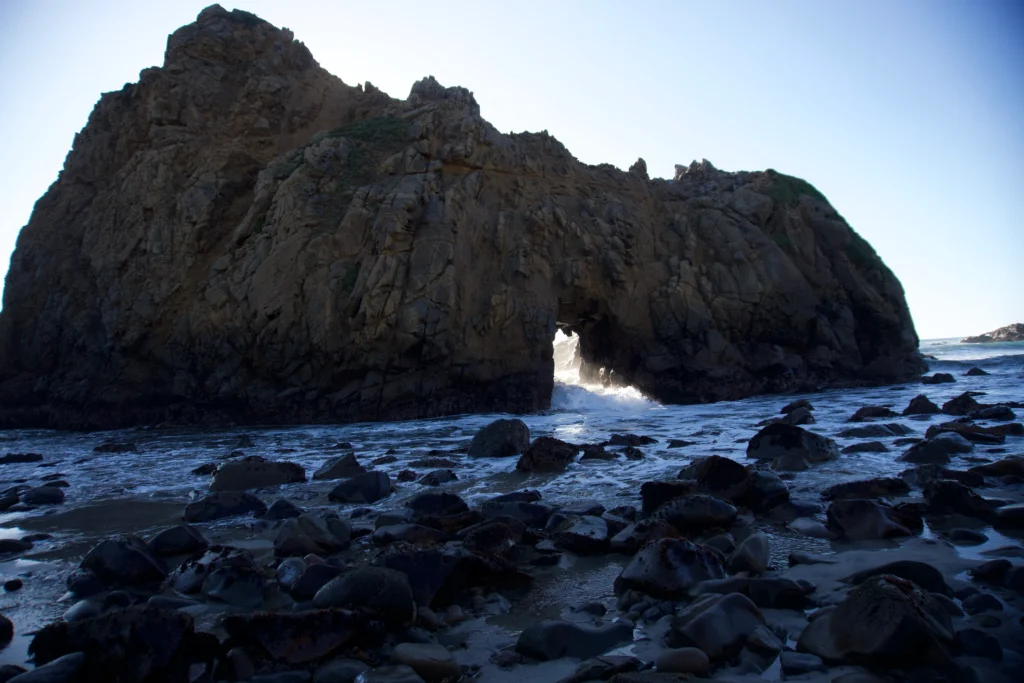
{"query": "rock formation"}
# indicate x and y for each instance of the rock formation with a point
(1010, 333)
(240, 236)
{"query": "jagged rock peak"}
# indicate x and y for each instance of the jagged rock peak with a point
(429, 90)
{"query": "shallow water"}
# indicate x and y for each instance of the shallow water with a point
(142, 492)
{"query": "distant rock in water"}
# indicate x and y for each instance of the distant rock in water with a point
(242, 237)
(1010, 333)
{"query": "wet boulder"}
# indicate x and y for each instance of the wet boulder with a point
(921, 405)
(223, 504)
(718, 625)
(765, 490)
(408, 533)
(654, 494)
(697, 512)
(363, 488)
(385, 590)
(994, 413)
(1009, 517)
(988, 436)
(528, 513)
(938, 378)
(500, 439)
(1007, 467)
(282, 509)
(865, 447)
(886, 621)
(799, 403)
(637, 534)
(312, 579)
(937, 450)
(124, 561)
(144, 644)
(308, 535)
(667, 568)
(782, 443)
(874, 431)
(555, 638)
(976, 372)
(587, 535)
(190, 576)
(493, 537)
(879, 487)
(721, 477)
(237, 586)
(633, 440)
(342, 467)
(303, 637)
(922, 574)
(241, 475)
(547, 454)
(437, 504)
(751, 555)
(433, 662)
(861, 519)
(438, 477)
(964, 404)
(946, 496)
(872, 413)
(182, 539)
(437, 575)
(43, 495)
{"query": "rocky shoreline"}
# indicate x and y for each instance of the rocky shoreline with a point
(1010, 333)
(280, 574)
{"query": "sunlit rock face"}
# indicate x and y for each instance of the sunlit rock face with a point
(241, 236)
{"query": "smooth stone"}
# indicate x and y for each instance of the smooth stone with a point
(555, 638)
(385, 590)
(61, 670)
(434, 663)
(683, 660)
(340, 671)
(797, 663)
(751, 555)
(500, 439)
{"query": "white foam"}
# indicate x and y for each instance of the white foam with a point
(574, 395)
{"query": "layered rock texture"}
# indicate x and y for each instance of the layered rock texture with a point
(240, 236)
(1010, 333)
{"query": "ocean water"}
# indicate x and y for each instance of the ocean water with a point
(112, 493)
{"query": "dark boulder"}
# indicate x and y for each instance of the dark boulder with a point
(190, 576)
(938, 378)
(385, 590)
(342, 467)
(43, 495)
(282, 509)
(309, 535)
(303, 637)
(554, 639)
(697, 512)
(799, 403)
(865, 447)
(124, 561)
(975, 372)
(182, 539)
(438, 477)
(500, 439)
(241, 475)
(937, 450)
(667, 568)
(17, 458)
(765, 490)
(946, 496)
(587, 535)
(922, 574)
(718, 625)
(782, 443)
(880, 487)
(654, 494)
(872, 412)
(530, 514)
(637, 534)
(363, 488)
(995, 413)
(630, 440)
(860, 519)
(223, 504)
(920, 405)
(718, 476)
(963, 404)
(547, 454)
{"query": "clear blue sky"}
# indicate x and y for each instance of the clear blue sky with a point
(908, 115)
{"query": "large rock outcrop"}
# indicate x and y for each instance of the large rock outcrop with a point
(1010, 333)
(242, 236)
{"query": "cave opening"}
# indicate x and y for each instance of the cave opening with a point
(571, 366)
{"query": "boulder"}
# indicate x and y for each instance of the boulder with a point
(555, 638)
(385, 590)
(587, 535)
(43, 495)
(1009, 517)
(786, 443)
(633, 440)
(667, 568)
(995, 413)
(124, 644)
(282, 509)
(1007, 467)
(860, 519)
(721, 477)
(697, 512)
(237, 586)
(765, 490)
(223, 504)
(920, 405)
(530, 514)
(946, 496)
(408, 533)
(872, 412)
(937, 450)
(364, 488)
(938, 378)
(437, 504)
(124, 561)
(438, 477)
(799, 403)
(879, 487)
(241, 475)
(874, 431)
(886, 621)
(751, 555)
(342, 467)
(963, 404)
(434, 663)
(654, 494)
(500, 439)
(921, 574)
(308, 535)
(294, 638)
(718, 625)
(547, 454)
(991, 436)
(436, 575)
(976, 372)
(683, 660)
(191, 575)
(635, 535)
(18, 458)
(182, 539)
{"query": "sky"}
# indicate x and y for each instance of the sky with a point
(908, 115)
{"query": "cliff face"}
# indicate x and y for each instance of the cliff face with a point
(1010, 333)
(241, 236)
